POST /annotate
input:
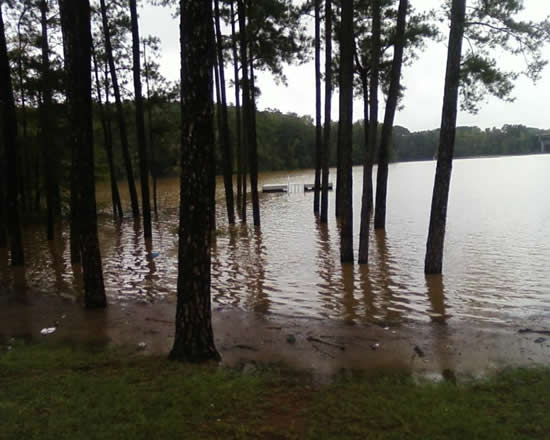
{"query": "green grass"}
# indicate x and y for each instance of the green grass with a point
(68, 392)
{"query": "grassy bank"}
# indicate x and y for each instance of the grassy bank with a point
(64, 392)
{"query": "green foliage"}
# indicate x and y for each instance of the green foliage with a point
(492, 31)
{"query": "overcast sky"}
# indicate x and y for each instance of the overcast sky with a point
(424, 80)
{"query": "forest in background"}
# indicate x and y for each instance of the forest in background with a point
(286, 141)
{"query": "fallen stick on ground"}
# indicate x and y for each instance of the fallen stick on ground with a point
(528, 330)
(320, 341)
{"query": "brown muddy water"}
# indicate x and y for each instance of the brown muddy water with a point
(496, 261)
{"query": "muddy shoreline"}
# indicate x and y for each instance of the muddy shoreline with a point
(321, 346)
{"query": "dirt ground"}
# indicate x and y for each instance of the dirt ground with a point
(322, 347)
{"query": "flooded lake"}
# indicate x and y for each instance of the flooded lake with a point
(496, 260)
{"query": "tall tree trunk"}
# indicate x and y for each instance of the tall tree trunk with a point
(366, 196)
(328, 110)
(238, 127)
(194, 338)
(48, 152)
(76, 20)
(387, 128)
(318, 129)
(217, 113)
(246, 105)
(24, 177)
(9, 132)
(253, 150)
(3, 222)
(108, 143)
(120, 113)
(153, 165)
(140, 124)
(438, 215)
(227, 154)
(345, 129)
(372, 139)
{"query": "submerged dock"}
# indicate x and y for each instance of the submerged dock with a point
(291, 187)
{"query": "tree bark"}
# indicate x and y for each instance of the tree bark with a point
(318, 129)
(387, 128)
(438, 215)
(239, 149)
(253, 150)
(246, 104)
(48, 146)
(153, 165)
(372, 140)
(24, 148)
(107, 142)
(3, 222)
(227, 154)
(194, 339)
(140, 124)
(345, 128)
(366, 196)
(328, 110)
(9, 132)
(76, 21)
(120, 113)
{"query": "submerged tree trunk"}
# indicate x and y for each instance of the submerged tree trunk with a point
(26, 198)
(238, 141)
(76, 20)
(367, 196)
(438, 215)
(194, 338)
(345, 133)
(152, 163)
(387, 128)
(253, 150)
(246, 105)
(328, 101)
(217, 142)
(227, 154)
(120, 113)
(140, 124)
(318, 129)
(48, 152)
(108, 143)
(9, 137)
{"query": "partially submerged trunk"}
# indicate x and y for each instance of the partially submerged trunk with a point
(318, 129)
(120, 113)
(366, 196)
(246, 104)
(9, 138)
(227, 154)
(140, 124)
(77, 29)
(238, 141)
(48, 147)
(253, 150)
(107, 142)
(345, 129)
(372, 139)
(328, 110)
(387, 128)
(152, 163)
(194, 338)
(438, 215)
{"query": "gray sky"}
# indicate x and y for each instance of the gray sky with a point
(424, 80)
